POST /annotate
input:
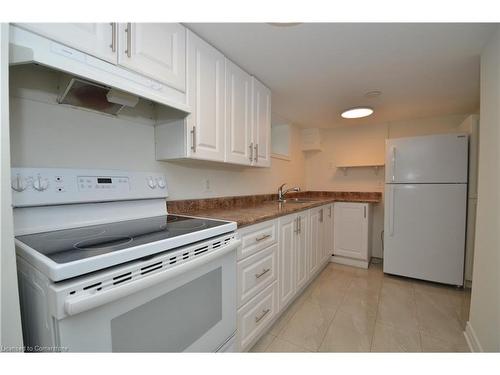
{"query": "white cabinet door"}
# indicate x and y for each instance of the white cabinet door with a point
(206, 88)
(301, 250)
(96, 39)
(239, 147)
(156, 50)
(315, 239)
(287, 232)
(261, 119)
(328, 232)
(351, 230)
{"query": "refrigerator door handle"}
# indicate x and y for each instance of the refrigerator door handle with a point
(391, 213)
(393, 164)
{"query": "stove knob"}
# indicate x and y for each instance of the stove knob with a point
(19, 183)
(151, 182)
(161, 183)
(40, 183)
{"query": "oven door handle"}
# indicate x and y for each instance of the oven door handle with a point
(78, 304)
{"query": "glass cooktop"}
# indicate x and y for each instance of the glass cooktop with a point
(69, 245)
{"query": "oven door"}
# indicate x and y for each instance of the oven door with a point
(193, 311)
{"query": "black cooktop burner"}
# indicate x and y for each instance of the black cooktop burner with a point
(69, 245)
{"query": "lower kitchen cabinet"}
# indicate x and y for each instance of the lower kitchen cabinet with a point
(277, 260)
(302, 250)
(328, 232)
(287, 229)
(293, 256)
(352, 232)
(316, 217)
(256, 272)
(256, 316)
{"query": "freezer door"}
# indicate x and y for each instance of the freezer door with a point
(427, 159)
(424, 231)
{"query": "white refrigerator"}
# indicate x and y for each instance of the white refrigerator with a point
(426, 207)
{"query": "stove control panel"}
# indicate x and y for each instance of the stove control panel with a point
(86, 183)
(52, 186)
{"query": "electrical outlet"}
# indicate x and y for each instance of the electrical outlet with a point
(206, 184)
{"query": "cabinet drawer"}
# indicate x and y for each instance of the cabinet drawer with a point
(255, 316)
(257, 237)
(256, 272)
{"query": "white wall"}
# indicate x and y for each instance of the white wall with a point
(45, 134)
(484, 318)
(365, 144)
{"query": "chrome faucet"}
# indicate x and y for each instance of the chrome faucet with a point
(281, 193)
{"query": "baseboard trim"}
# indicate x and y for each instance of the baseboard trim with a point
(349, 261)
(471, 338)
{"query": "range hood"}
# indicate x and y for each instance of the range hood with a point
(93, 83)
(79, 92)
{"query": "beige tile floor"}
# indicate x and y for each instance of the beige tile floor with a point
(347, 309)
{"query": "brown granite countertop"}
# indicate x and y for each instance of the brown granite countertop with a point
(248, 210)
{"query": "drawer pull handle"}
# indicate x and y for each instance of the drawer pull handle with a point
(264, 313)
(263, 237)
(259, 275)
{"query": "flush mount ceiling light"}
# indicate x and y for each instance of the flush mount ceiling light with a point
(357, 112)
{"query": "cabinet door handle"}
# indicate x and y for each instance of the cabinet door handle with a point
(330, 211)
(256, 147)
(259, 275)
(264, 313)
(300, 224)
(251, 151)
(321, 216)
(262, 237)
(128, 30)
(113, 36)
(193, 139)
(296, 225)
(393, 164)
(364, 211)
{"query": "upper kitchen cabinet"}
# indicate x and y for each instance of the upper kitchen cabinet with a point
(230, 118)
(206, 96)
(261, 123)
(239, 144)
(96, 39)
(144, 59)
(201, 134)
(157, 50)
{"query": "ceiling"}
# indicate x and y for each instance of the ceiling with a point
(316, 70)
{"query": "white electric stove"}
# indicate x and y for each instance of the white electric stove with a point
(103, 267)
